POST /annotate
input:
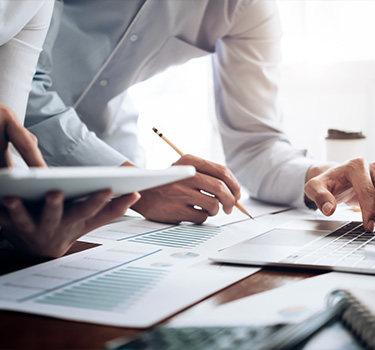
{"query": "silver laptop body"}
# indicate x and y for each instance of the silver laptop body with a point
(308, 244)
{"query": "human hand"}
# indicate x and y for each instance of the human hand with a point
(176, 202)
(351, 183)
(11, 130)
(50, 229)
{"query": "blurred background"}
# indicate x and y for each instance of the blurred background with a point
(327, 81)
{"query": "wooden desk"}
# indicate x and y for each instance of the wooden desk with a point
(25, 331)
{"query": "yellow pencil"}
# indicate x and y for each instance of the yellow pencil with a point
(238, 205)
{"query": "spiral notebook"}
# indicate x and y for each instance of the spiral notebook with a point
(358, 315)
(289, 336)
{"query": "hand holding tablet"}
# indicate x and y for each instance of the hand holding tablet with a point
(34, 183)
(47, 225)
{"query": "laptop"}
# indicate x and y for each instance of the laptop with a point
(308, 244)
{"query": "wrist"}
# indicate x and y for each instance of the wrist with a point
(317, 169)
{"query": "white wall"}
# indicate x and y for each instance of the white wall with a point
(316, 97)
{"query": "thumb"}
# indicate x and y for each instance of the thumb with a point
(317, 192)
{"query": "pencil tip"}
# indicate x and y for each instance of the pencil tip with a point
(154, 129)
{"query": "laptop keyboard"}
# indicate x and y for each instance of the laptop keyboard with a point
(342, 247)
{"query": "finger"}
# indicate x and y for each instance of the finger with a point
(52, 212)
(5, 156)
(19, 216)
(316, 190)
(195, 215)
(215, 187)
(358, 174)
(215, 170)
(3, 137)
(4, 218)
(26, 144)
(182, 212)
(82, 210)
(8, 158)
(208, 203)
(372, 173)
(113, 210)
(24, 141)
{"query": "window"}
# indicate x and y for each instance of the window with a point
(327, 30)
(328, 70)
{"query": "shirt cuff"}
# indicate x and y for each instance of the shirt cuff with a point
(293, 178)
(93, 152)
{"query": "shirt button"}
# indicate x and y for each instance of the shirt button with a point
(103, 82)
(134, 37)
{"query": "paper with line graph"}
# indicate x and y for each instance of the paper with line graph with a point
(122, 284)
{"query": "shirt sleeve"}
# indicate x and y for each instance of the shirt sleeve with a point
(23, 27)
(246, 82)
(14, 16)
(63, 138)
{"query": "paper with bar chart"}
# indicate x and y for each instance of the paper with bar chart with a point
(134, 226)
(143, 273)
(125, 284)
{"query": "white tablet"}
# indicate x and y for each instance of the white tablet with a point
(34, 183)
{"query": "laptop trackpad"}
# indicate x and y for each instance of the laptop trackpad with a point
(277, 244)
(283, 237)
(274, 245)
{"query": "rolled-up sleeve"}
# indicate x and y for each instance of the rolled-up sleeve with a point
(246, 81)
(64, 139)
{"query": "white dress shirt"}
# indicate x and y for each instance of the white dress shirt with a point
(23, 27)
(95, 50)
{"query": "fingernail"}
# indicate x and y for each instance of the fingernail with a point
(10, 203)
(106, 195)
(327, 208)
(371, 225)
(54, 198)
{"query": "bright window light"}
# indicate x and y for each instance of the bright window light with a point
(327, 30)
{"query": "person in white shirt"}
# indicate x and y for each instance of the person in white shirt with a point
(56, 226)
(95, 50)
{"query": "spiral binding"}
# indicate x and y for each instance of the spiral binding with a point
(356, 317)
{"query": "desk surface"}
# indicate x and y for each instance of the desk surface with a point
(24, 331)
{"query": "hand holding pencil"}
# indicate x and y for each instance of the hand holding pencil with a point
(237, 205)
